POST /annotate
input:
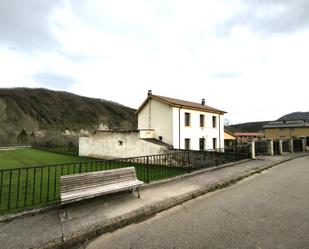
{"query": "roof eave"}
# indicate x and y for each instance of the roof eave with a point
(142, 105)
(177, 105)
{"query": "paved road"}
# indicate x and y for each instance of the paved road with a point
(270, 210)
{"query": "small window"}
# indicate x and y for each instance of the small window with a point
(214, 143)
(187, 143)
(202, 143)
(187, 119)
(202, 120)
(214, 121)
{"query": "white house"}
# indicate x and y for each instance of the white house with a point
(180, 123)
(163, 123)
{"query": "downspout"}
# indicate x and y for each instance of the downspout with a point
(219, 132)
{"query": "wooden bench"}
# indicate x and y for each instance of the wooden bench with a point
(81, 186)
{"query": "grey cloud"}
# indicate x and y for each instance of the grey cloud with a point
(54, 80)
(26, 25)
(270, 16)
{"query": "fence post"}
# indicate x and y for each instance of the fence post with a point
(271, 147)
(253, 150)
(303, 140)
(280, 147)
(291, 146)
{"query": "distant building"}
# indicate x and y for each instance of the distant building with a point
(246, 137)
(229, 139)
(286, 129)
(182, 124)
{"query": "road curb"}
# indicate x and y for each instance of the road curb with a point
(146, 212)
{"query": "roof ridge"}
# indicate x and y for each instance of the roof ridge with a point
(186, 103)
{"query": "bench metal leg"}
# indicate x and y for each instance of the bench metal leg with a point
(65, 210)
(138, 195)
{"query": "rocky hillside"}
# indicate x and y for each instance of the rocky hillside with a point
(27, 112)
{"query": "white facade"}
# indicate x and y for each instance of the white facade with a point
(194, 132)
(159, 117)
(168, 124)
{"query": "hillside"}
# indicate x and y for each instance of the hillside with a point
(296, 116)
(258, 126)
(32, 110)
(247, 127)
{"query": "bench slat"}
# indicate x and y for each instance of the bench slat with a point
(100, 180)
(102, 172)
(87, 185)
(92, 192)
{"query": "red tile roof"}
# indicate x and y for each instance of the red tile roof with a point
(181, 103)
(248, 134)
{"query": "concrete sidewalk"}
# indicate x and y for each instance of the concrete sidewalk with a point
(62, 228)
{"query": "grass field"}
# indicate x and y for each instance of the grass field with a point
(28, 157)
(31, 178)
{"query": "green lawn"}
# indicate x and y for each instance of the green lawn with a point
(28, 157)
(26, 183)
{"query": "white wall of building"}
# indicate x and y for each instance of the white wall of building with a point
(115, 144)
(194, 132)
(144, 118)
(157, 116)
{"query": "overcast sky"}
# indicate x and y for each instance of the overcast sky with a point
(247, 57)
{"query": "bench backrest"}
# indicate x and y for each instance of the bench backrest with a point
(80, 181)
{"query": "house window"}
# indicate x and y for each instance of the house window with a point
(187, 143)
(187, 119)
(214, 143)
(202, 143)
(202, 120)
(214, 121)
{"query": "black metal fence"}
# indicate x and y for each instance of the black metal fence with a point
(68, 149)
(239, 149)
(286, 146)
(261, 147)
(28, 187)
(297, 145)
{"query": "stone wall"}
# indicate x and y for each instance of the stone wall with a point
(117, 144)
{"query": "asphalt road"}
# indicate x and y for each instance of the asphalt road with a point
(270, 210)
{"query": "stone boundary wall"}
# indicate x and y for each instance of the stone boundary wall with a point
(117, 144)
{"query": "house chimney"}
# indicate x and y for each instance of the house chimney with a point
(203, 101)
(149, 92)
